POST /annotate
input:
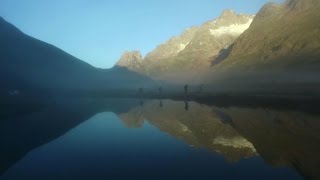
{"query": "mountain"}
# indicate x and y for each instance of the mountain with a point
(173, 47)
(282, 36)
(194, 50)
(276, 50)
(130, 59)
(278, 54)
(149, 64)
(30, 65)
(212, 39)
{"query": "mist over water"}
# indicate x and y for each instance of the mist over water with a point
(235, 97)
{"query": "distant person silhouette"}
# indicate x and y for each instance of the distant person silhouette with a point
(141, 92)
(160, 91)
(186, 90)
(201, 88)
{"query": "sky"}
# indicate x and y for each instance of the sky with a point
(99, 31)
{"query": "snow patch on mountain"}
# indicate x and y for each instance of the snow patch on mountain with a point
(182, 47)
(235, 142)
(234, 29)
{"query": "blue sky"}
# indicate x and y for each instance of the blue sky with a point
(99, 31)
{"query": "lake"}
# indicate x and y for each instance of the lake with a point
(159, 139)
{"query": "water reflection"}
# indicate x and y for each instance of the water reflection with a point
(199, 127)
(283, 138)
(186, 105)
(161, 139)
(19, 135)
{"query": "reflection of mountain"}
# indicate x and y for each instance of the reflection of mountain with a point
(200, 127)
(19, 135)
(282, 138)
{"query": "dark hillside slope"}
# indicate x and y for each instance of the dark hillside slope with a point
(30, 65)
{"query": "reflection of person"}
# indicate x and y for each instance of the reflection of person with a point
(186, 105)
(161, 105)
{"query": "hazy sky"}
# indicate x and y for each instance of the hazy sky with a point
(99, 31)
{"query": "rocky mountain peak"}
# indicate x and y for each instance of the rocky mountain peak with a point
(281, 35)
(130, 58)
(173, 46)
(227, 14)
(194, 49)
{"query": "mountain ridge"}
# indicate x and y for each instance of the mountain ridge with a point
(30, 65)
(281, 35)
(193, 50)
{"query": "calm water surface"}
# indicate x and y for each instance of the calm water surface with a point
(129, 139)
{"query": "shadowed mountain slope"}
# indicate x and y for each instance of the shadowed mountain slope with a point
(28, 64)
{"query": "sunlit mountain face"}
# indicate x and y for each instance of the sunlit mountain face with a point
(276, 48)
(192, 52)
(234, 96)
